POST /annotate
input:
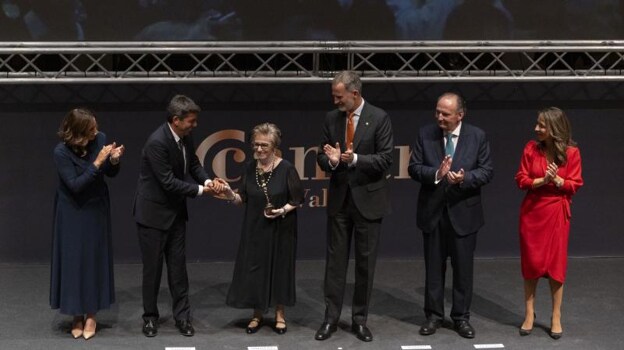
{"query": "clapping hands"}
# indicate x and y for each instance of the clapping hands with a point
(335, 156)
(116, 153)
(453, 177)
(111, 151)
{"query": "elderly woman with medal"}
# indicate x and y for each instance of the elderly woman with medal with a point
(270, 192)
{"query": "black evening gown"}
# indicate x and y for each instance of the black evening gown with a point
(81, 278)
(264, 272)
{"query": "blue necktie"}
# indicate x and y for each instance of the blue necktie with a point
(449, 149)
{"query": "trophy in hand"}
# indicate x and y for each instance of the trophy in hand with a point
(268, 208)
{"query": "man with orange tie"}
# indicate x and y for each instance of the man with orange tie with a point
(357, 150)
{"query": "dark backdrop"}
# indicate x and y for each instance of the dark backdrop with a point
(270, 20)
(30, 116)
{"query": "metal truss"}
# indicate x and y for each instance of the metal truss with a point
(303, 62)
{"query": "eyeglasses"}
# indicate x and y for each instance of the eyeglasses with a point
(261, 145)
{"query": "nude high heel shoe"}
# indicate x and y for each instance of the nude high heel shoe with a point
(89, 328)
(77, 327)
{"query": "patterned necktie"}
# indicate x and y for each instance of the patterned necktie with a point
(449, 149)
(350, 129)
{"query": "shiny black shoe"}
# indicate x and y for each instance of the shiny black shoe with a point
(252, 330)
(362, 332)
(464, 329)
(185, 327)
(280, 330)
(430, 327)
(555, 335)
(325, 331)
(150, 329)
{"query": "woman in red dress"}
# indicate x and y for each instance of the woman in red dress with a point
(550, 172)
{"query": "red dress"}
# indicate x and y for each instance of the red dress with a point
(545, 213)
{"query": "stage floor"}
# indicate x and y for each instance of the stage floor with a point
(592, 310)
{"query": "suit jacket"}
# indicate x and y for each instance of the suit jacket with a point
(368, 179)
(161, 189)
(463, 201)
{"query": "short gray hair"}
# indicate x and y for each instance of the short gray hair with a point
(350, 79)
(268, 129)
(461, 103)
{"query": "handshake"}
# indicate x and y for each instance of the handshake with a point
(219, 188)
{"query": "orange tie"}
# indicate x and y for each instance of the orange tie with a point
(350, 129)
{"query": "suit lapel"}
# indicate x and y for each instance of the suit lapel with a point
(439, 143)
(462, 144)
(178, 164)
(362, 126)
(341, 130)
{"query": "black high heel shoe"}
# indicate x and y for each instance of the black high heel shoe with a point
(252, 330)
(524, 332)
(555, 335)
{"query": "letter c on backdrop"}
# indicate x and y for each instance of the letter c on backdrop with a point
(219, 160)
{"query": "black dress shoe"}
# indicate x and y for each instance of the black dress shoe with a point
(150, 329)
(464, 329)
(362, 332)
(325, 331)
(185, 327)
(252, 330)
(430, 327)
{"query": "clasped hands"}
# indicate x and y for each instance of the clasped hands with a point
(453, 177)
(221, 188)
(551, 175)
(112, 152)
(335, 156)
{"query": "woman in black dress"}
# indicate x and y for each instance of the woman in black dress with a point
(264, 273)
(81, 280)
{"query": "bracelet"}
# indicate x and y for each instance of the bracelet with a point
(231, 201)
(283, 212)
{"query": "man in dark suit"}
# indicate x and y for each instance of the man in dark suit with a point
(451, 160)
(357, 150)
(160, 211)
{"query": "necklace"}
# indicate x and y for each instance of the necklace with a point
(262, 182)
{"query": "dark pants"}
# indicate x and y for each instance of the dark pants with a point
(169, 245)
(346, 224)
(440, 244)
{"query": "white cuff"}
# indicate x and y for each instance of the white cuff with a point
(352, 164)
